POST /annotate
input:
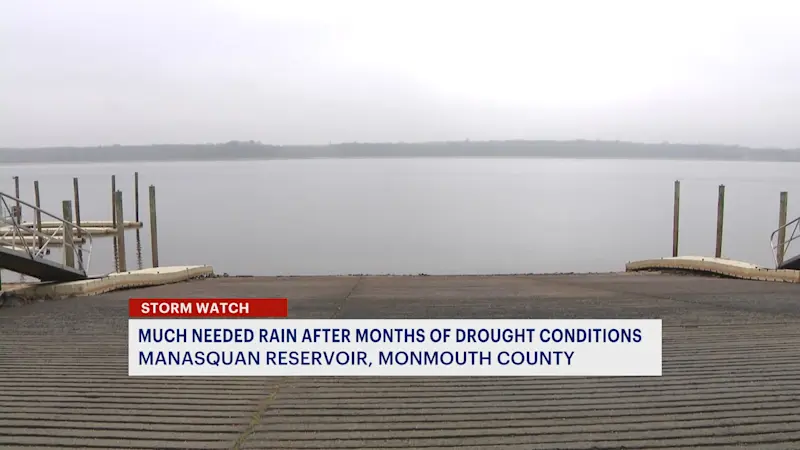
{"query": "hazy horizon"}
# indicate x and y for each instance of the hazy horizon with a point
(309, 72)
(251, 150)
(330, 144)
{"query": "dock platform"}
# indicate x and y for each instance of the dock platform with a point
(89, 224)
(731, 372)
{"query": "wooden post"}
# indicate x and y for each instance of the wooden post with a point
(782, 227)
(38, 214)
(136, 194)
(69, 242)
(153, 227)
(77, 205)
(77, 195)
(113, 201)
(720, 214)
(18, 212)
(123, 266)
(676, 213)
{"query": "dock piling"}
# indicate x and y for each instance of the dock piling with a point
(782, 227)
(18, 212)
(77, 204)
(78, 217)
(139, 263)
(153, 227)
(38, 215)
(69, 243)
(123, 267)
(114, 200)
(676, 213)
(720, 218)
(136, 194)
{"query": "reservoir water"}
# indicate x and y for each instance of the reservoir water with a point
(432, 216)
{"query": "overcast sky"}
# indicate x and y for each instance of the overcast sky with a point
(91, 72)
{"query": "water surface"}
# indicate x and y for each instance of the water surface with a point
(434, 216)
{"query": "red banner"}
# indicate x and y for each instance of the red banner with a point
(184, 308)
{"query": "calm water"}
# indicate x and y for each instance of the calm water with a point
(447, 216)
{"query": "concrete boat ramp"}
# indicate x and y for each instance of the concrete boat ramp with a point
(731, 372)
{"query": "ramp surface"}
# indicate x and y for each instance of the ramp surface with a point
(21, 262)
(731, 372)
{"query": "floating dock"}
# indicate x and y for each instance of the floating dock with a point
(93, 231)
(87, 224)
(718, 266)
(23, 243)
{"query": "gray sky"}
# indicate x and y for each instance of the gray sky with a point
(90, 72)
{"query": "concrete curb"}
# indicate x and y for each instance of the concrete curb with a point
(112, 282)
(719, 266)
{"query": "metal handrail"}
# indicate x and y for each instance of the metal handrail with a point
(34, 250)
(794, 235)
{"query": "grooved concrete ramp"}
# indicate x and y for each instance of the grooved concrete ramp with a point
(731, 365)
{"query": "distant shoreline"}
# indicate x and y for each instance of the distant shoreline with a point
(310, 158)
(249, 151)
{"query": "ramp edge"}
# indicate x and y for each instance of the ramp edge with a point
(719, 266)
(113, 282)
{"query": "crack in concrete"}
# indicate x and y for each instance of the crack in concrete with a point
(282, 383)
(337, 314)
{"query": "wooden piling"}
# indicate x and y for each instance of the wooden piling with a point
(69, 243)
(139, 262)
(38, 214)
(720, 217)
(18, 212)
(153, 226)
(114, 200)
(676, 213)
(136, 194)
(782, 228)
(77, 205)
(123, 266)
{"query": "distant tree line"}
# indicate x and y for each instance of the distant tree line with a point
(253, 150)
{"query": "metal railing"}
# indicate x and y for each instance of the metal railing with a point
(17, 235)
(787, 240)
